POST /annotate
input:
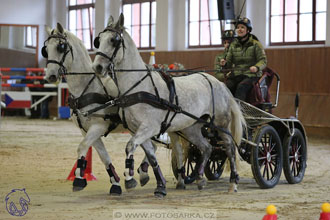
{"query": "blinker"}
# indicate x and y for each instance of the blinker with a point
(61, 48)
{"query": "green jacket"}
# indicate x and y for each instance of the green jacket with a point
(217, 65)
(242, 57)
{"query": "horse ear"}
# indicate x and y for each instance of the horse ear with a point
(110, 21)
(48, 30)
(120, 22)
(60, 28)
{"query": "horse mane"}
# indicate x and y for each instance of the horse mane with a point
(129, 41)
(74, 39)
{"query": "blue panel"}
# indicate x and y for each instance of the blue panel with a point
(64, 112)
(17, 85)
(18, 69)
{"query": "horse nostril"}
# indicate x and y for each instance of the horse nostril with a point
(52, 79)
(99, 69)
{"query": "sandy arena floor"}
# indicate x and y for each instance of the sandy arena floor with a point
(39, 154)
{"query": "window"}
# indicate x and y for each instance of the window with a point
(81, 20)
(31, 37)
(203, 25)
(140, 21)
(297, 22)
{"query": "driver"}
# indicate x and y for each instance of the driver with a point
(246, 57)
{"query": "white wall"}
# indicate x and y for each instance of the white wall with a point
(32, 12)
(171, 30)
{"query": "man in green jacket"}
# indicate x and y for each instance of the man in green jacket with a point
(227, 39)
(247, 58)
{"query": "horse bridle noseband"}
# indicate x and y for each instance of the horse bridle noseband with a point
(117, 42)
(63, 47)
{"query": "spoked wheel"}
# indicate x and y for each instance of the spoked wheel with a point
(294, 157)
(215, 165)
(189, 164)
(266, 157)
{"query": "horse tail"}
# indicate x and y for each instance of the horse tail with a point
(238, 121)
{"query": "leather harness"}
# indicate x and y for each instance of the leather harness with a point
(76, 103)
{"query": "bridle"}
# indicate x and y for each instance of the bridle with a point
(117, 42)
(85, 98)
(63, 47)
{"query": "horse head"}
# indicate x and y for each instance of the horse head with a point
(56, 49)
(110, 44)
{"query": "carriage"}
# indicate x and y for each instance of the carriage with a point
(270, 144)
(150, 102)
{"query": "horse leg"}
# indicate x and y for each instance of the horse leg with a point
(130, 182)
(194, 135)
(114, 178)
(177, 149)
(142, 136)
(231, 154)
(143, 169)
(160, 191)
(94, 133)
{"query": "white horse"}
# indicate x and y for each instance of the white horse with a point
(66, 53)
(201, 96)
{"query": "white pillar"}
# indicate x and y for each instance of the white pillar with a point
(162, 25)
(103, 10)
(99, 16)
(256, 12)
(178, 26)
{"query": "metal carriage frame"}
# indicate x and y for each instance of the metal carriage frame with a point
(270, 144)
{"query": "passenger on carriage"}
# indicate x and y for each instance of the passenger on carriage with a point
(247, 58)
(227, 38)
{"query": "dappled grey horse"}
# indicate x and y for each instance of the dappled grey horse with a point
(68, 57)
(201, 99)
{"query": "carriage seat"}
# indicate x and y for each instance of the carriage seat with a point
(260, 95)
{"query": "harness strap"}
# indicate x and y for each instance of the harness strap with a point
(213, 116)
(125, 125)
(172, 93)
(135, 85)
(88, 84)
(152, 81)
(88, 99)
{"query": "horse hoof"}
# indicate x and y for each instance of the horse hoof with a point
(144, 180)
(201, 184)
(232, 188)
(79, 184)
(77, 188)
(189, 179)
(180, 186)
(130, 184)
(160, 192)
(115, 190)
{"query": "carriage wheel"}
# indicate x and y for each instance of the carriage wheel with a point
(214, 168)
(189, 164)
(294, 157)
(266, 157)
